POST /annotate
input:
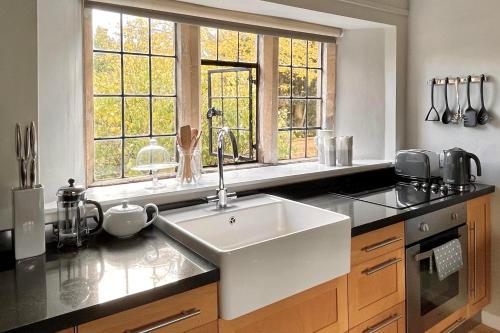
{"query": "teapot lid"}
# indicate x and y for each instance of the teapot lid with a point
(125, 208)
(70, 192)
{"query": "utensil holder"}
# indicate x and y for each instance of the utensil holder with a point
(344, 150)
(29, 222)
(329, 147)
(189, 169)
(320, 144)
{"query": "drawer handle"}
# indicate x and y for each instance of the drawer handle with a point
(384, 323)
(165, 322)
(381, 266)
(377, 246)
(455, 325)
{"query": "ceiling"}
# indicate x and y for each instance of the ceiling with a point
(272, 9)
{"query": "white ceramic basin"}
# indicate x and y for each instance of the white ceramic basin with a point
(267, 248)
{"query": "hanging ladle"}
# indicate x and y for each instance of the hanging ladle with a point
(482, 116)
(432, 109)
(446, 117)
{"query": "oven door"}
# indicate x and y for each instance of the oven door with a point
(428, 300)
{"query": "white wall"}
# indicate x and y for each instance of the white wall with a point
(360, 101)
(448, 38)
(18, 89)
(60, 87)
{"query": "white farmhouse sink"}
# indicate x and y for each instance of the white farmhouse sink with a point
(267, 248)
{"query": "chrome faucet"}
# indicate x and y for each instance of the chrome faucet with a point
(222, 195)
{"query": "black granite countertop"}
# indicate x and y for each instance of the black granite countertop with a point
(366, 217)
(59, 290)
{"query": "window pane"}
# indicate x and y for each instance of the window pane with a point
(314, 58)
(284, 81)
(136, 115)
(248, 47)
(314, 113)
(283, 145)
(299, 52)
(285, 57)
(314, 87)
(284, 114)
(299, 82)
(107, 116)
(163, 75)
(216, 84)
(107, 159)
(163, 115)
(107, 73)
(228, 45)
(244, 110)
(106, 30)
(162, 37)
(230, 112)
(135, 34)
(299, 113)
(298, 144)
(208, 43)
(243, 84)
(229, 84)
(136, 74)
(311, 144)
(131, 148)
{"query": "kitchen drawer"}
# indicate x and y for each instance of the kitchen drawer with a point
(197, 306)
(208, 328)
(389, 321)
(375, 243)
(450, 323)
(321, 309)
(375, 286)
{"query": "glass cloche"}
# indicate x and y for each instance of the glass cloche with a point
(154, 157)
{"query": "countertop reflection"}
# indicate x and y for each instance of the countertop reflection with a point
(61, 289)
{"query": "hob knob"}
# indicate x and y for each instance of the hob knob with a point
(424, 227)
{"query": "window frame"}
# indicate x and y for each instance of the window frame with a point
(267, 98)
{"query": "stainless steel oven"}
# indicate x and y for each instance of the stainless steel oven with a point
(429, 300)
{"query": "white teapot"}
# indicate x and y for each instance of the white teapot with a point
(126, 220)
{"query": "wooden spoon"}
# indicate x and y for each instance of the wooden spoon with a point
(186, 147)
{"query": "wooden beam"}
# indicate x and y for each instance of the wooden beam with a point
(268, 99)
(88, 95)
(188, 75)
(329, 85)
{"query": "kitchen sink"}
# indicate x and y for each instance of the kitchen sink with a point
(266, 247)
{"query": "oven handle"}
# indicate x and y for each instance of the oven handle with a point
(384, 323)
(381, 266)
(383, 243)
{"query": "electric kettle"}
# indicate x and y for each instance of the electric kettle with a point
(456, 169)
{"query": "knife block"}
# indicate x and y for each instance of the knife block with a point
(29, 222)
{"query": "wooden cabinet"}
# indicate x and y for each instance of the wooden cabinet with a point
(450, 323)
(377, 279)
(376, 243)
(389, 321)
(478, 222)
(182, 313)
(322, 309)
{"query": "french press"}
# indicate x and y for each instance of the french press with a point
(73, 229)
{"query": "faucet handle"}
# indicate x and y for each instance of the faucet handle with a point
(232, 195)
(212, 198)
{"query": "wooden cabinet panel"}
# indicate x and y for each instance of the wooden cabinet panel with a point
(389, 321)
(377, 243)
(376, 285)
(203, 299)
(321, 309)
(478, 222)
(212, 327)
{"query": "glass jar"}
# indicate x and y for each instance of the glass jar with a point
(189, 168)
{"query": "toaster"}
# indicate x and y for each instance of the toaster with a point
(417, 164)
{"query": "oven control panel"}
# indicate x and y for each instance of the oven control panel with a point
(433, 223)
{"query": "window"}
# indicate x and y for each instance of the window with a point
(229, 84)
(134, 90)
(299, 105)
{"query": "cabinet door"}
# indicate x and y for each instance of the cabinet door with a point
(478, 221)
(375, 286)
(322, 309)
(389, 321)
(208, 328)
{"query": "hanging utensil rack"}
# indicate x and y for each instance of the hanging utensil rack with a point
(463, 80)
